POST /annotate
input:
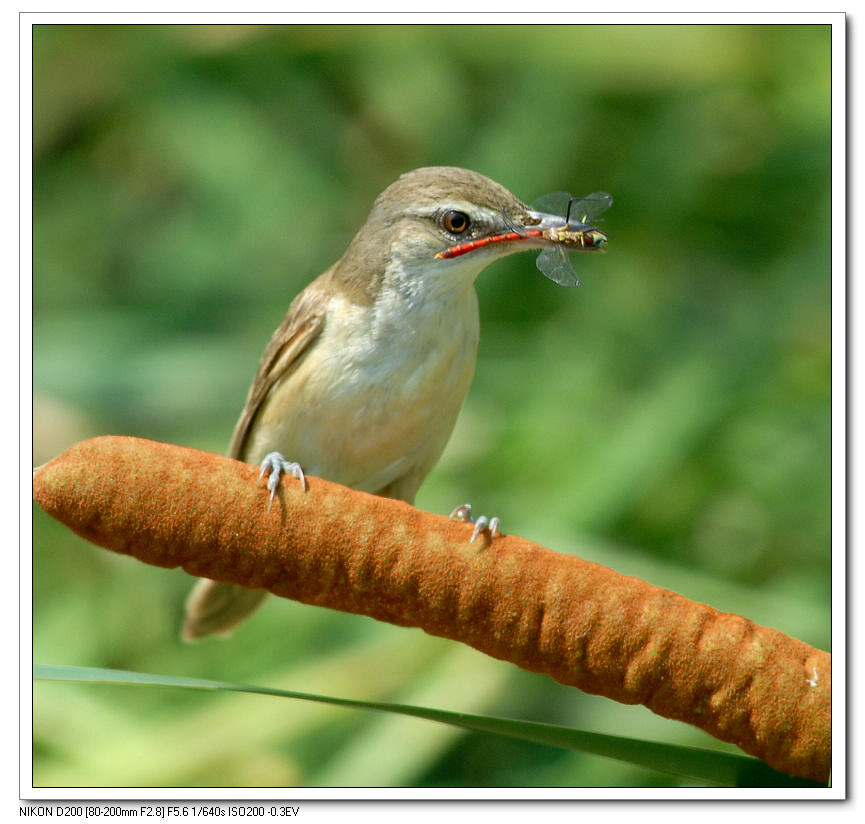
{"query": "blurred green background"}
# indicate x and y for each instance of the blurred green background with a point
(669, 418)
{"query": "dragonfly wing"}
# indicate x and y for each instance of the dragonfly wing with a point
(589, 207)
(554, 203)
(555, 264)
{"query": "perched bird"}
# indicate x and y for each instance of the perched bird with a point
(362, 382)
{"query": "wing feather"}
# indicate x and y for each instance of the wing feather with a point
(299, 329)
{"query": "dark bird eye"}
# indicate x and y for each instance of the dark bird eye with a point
(456, 222)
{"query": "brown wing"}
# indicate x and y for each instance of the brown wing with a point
(301, 326)
(214, 607)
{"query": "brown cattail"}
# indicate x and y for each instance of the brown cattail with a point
(576, 621)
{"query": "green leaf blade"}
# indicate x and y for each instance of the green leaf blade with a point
(694, 763)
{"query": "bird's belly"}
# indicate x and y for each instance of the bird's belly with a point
(367, 413)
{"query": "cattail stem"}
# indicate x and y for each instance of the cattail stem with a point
(576, 621)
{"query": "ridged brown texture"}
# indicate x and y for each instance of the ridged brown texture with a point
(579, 622)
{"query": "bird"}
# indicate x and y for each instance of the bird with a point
(362, 382)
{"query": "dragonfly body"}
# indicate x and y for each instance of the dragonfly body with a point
(588, 239)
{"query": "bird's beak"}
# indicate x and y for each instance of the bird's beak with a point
(537, 230)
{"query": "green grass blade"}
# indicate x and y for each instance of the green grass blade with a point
(719, 768)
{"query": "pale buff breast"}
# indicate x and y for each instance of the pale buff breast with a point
(367, 407)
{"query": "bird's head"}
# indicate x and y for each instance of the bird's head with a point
(438, 227)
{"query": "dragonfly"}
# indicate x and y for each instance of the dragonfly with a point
(560, 218)
(575, 233)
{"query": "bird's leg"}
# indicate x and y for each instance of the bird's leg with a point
(464, 513)
(275, 464)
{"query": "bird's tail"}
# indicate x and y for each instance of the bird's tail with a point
(216, 608)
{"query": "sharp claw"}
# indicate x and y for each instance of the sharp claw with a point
(275, 465)
(480, 525)
(298, 473)
(464, 513)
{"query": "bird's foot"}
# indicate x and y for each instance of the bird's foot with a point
(491, 525)
(276, 465)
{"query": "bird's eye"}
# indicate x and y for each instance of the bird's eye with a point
(456, 222)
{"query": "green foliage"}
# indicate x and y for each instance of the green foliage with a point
(669, 418)
(702, 765)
